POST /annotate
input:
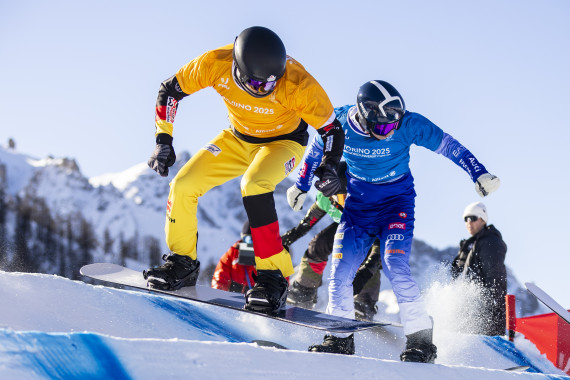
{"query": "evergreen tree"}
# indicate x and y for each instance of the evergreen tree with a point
(153, 246)
(22, 260)
(134, 247)
(3, 214)
(61, 246)
(43, 240)
(87, 242)
(108, 242)
(67, 254)
(123, 249)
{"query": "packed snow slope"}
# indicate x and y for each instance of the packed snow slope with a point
(52, 327)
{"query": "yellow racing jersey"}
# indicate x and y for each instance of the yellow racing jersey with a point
(297, 95)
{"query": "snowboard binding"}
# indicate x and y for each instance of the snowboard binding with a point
(178, 271)
(269, 294)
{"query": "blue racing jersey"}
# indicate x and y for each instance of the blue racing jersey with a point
(384, 161)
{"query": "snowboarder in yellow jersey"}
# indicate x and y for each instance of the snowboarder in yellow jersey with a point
(271, 100)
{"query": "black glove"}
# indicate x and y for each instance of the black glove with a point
(289, 238)
(329, 183)
(163, 156)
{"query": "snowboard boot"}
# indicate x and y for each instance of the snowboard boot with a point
(177, 271)
(269, 294)
(364, 310)
(419, 347)
(302, 296)
(335, 345)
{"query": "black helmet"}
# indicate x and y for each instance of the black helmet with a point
(259, 60)
(380, 107)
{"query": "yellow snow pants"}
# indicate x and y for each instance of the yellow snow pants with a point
(226, 157)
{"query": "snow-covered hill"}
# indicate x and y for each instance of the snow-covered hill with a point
(125, 211)
(125, 208)
(55, 328)
(52, 327)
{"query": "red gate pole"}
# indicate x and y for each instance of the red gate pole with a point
(511, 315)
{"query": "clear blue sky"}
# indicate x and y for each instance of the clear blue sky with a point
(79, 79)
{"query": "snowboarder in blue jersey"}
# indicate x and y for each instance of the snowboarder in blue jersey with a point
(380, 204)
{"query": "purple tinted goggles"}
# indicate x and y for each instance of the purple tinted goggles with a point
(383, 129)
(260, 87)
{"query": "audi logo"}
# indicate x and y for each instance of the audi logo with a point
(395, 237)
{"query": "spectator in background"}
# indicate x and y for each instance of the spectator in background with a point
(481, 259)
(236, 266)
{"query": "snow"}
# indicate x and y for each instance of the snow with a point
(122, 179)
(130, 204)
(52, 327)
(20, 169)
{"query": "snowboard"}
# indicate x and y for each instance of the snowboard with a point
(268, 343)
(543, 297)
(518, 368)
(120, 275)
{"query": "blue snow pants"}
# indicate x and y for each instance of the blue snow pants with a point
(385, 211)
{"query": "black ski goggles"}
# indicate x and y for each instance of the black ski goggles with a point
(471, 218)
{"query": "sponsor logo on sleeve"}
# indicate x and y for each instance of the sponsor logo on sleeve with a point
(400, 226)
(339, 235)
(224, 83)
(214, 149)
(395, 237)
(337, 256)
(303, 171)
(457, 151)
(403, 215)
(474, 164)
(327, 128)
(465, 166)
(314, 153)
(171, 105)
(329, 145)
